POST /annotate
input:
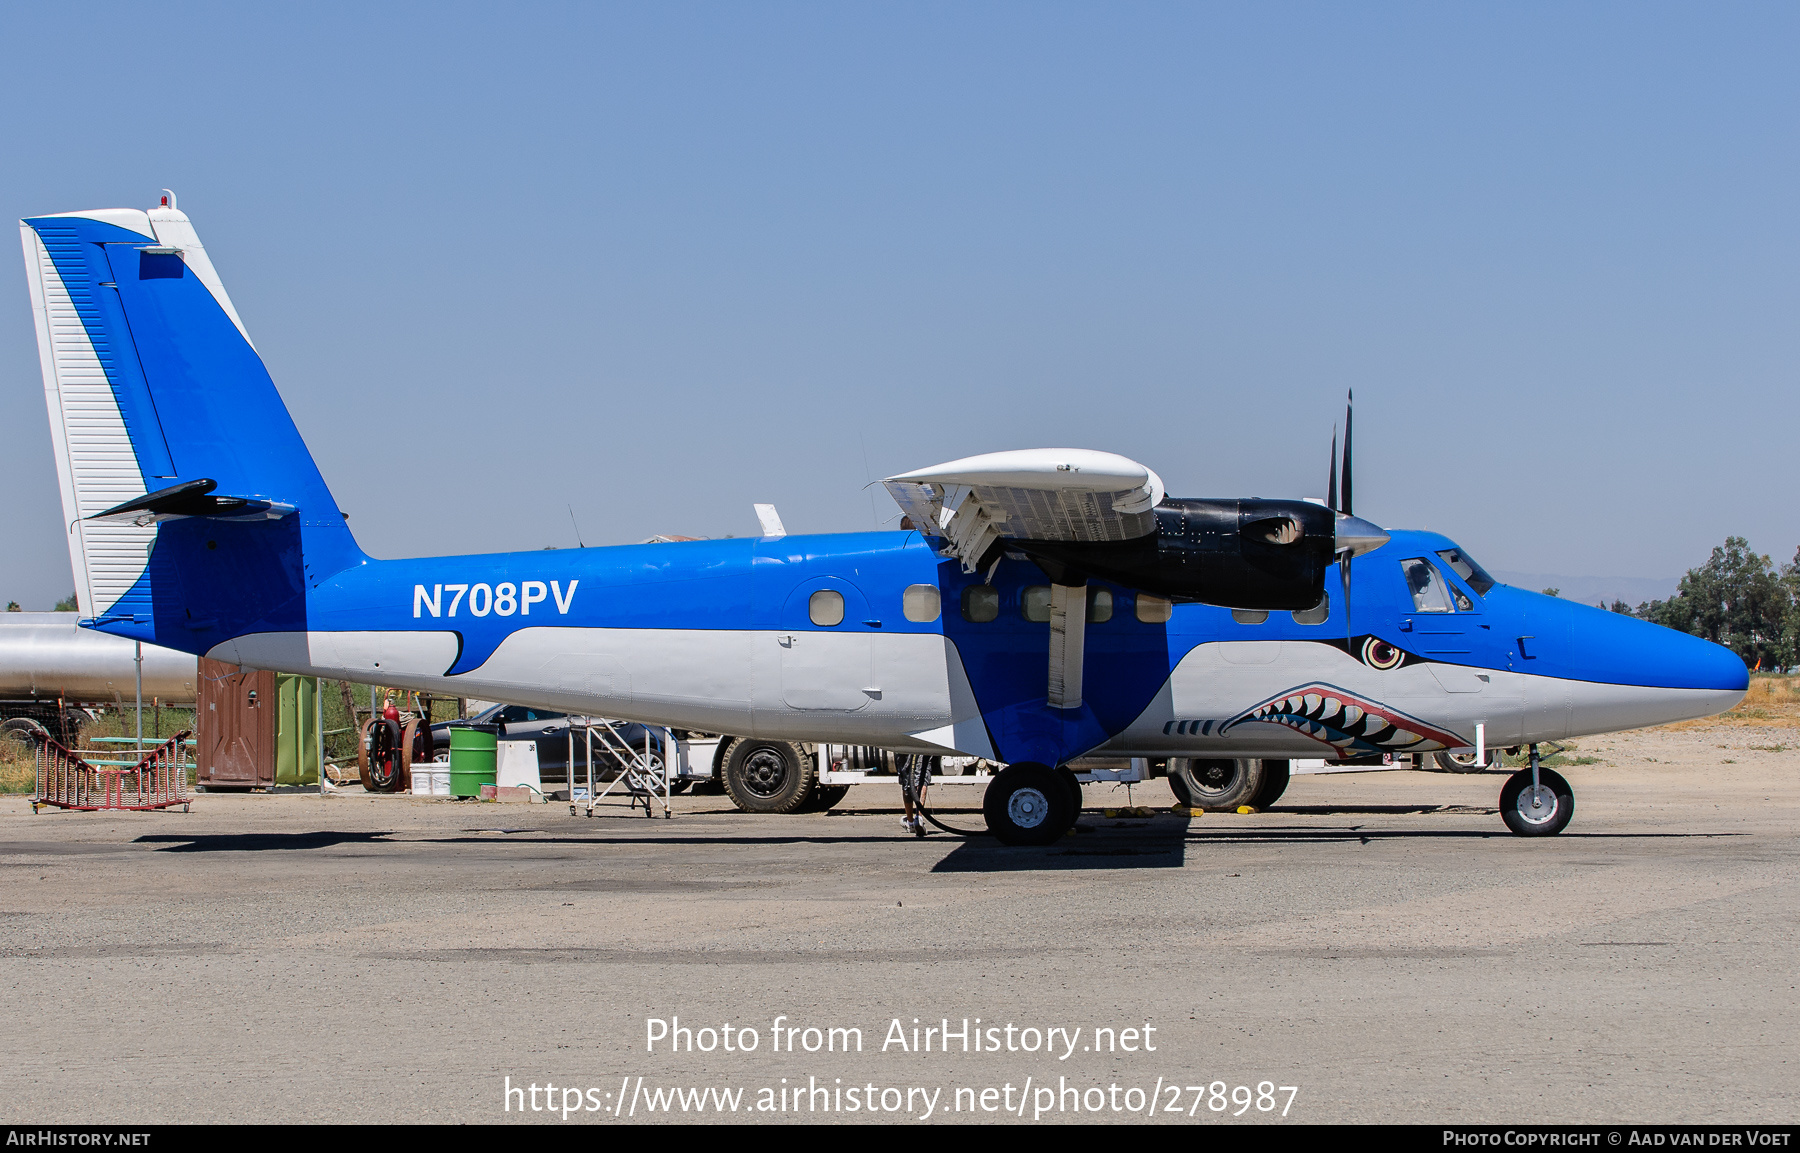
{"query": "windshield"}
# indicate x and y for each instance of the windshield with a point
(1473, 574)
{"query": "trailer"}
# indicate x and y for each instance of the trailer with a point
(53, 673)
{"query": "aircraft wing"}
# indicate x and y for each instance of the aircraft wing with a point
(1050, 494)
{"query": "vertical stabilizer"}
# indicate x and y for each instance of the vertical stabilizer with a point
(152, 384)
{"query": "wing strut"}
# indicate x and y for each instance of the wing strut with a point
(1068, 644)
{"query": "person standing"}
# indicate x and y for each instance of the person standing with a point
(914, 770)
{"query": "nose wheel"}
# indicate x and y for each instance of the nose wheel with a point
(1536, 802)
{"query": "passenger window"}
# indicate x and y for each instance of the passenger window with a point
(1315, 615)
(1430, 592)
(1100, 605)
(1468, 570)
(1153, 610)
(826, 607)
(1249, 616)
(980, 604)
(920, 603)
(1036, 603)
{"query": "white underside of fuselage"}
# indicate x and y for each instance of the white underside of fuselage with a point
(909, 691)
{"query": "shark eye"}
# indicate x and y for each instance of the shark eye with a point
(1378, 654)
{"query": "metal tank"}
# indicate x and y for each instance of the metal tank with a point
(44, 656)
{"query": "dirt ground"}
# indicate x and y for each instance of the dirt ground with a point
(1376, 940)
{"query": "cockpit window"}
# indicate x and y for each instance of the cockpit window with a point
(1468, 570)
(1430, 592)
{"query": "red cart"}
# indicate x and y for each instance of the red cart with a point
(159, 781)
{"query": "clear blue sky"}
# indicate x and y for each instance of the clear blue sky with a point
(660, 261)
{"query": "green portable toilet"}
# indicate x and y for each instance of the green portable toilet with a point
(296, 732)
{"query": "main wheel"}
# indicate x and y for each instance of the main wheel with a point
(1028, 804)
(823, 797)
(1466, 762)
(1540, 812)
(1275, 777)
(768, 776)
(1221, 785)
(1076, 798)
(1178, 783)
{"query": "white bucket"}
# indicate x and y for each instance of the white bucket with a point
(421, 781)
(440, 780)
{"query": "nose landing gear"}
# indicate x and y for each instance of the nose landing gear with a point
(1536, 802)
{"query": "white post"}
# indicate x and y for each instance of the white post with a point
(1481, 744)
(140, 700)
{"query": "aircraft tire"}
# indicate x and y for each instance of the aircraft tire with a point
(768, 776)
(823, 797)
(1221, 786)
(1466, 763)
(1275, 778)
(1527, 820)
(1027, 804)
(1177, 782)
(1076, 797)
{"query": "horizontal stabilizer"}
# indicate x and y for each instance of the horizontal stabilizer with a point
(192, 498)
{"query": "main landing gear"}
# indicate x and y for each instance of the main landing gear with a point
(1536, 802)
(1031, 804)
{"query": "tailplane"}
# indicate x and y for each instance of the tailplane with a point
(193, 509)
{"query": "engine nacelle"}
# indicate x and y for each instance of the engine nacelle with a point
(1248, 553)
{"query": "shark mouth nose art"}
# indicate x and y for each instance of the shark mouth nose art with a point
(1347, 723)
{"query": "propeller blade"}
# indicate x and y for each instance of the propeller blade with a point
(1349, 401)
(1344, 559)
(1331, 488)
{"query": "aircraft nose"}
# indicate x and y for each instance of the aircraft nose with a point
(1630, 668)
(1606, 646)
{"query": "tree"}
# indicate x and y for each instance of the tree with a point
(1619, 606)
(13, 607)
(1736, 599)
(67, 605)
(1790, 633)
(1552, 592)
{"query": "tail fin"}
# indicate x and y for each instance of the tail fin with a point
(157, 400)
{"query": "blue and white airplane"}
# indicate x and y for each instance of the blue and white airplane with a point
(1036, 606)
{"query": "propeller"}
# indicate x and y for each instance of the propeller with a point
(1331, 488)
(1355, 536)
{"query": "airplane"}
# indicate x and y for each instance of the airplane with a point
(1035, 606)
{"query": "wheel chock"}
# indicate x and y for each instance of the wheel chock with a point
(1246, 810)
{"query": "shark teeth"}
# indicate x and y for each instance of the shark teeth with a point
(1339, 722)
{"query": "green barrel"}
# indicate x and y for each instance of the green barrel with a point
(472, 752)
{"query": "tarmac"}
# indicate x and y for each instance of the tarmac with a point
(1378, 942)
